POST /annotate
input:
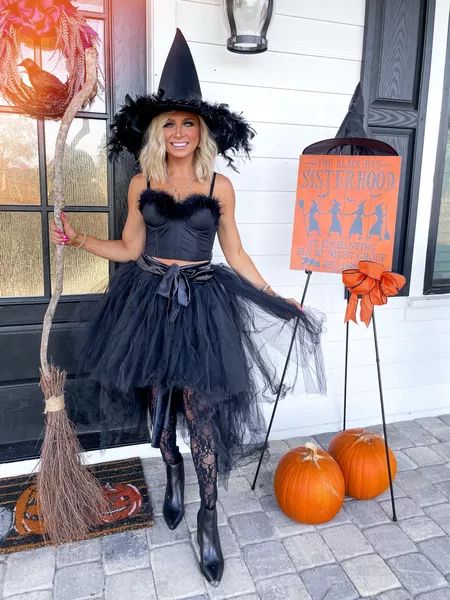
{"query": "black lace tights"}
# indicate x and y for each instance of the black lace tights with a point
(202, 445)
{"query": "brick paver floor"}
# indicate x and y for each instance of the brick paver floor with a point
(361, 553)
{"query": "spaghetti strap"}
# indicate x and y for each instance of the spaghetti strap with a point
(148, 183)
(213, 180)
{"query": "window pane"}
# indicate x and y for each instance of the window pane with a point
(84, 166)
(19, 167)
(442, 258)
(84, 273)
(54, 62)
(20, 254)
(91, 5)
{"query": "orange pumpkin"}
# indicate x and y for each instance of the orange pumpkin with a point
(124, 500)
(27, 520)
(309, 486)
(361, 456)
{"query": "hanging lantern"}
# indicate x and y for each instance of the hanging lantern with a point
(248, 20)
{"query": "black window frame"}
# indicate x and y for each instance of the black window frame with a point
(431, 285)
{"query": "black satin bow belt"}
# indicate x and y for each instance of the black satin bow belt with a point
(175, 282)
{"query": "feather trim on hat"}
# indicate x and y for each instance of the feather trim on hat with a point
(231, 132)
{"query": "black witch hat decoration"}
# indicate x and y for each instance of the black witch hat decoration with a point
(353, 124)
(179, 89)
(351, 137)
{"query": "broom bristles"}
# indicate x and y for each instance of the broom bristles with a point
(70, 498)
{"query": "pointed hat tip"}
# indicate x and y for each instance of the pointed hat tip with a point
(179, 79)
(179, 34)
(179, 39)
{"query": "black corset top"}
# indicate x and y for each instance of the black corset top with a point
(181, 230)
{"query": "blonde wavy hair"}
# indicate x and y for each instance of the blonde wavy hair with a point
(152, 157)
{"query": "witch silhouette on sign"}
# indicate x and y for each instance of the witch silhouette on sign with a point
(312, 224)
(335, 211)
(377, 227)
(356, 227)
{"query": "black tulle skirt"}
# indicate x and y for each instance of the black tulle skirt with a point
(203, 327)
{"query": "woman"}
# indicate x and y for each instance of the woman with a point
(192, 333)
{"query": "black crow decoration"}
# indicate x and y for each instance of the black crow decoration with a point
(43, 83)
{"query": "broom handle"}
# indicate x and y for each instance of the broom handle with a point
(76, 104)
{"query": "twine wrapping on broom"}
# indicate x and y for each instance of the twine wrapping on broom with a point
(71, 500)
(54, 403)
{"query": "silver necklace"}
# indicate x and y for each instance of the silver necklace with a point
(176, 193)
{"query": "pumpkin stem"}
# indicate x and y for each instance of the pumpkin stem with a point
(313, 455)
(367, 436)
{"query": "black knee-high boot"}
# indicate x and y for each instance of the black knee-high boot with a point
(211, 557)
(204, 455)
(164, 430)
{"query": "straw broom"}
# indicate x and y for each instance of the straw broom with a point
(71, 500)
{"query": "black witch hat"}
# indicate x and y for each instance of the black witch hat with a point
(353, 123)
(179, 89)
(352, 137)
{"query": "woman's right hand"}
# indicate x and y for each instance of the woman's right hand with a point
(66, 236)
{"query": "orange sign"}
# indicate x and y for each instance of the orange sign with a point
(345, 211)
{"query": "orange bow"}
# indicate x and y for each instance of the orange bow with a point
(373, 284)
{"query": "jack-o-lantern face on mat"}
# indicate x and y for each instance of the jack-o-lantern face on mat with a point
(124, 500)
(27, 514)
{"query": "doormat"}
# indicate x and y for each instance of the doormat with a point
(125, 487)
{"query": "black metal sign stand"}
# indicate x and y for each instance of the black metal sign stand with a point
(359, 146)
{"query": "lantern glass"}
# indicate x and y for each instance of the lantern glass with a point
(248, 20)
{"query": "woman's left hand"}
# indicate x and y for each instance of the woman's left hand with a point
(294, 302)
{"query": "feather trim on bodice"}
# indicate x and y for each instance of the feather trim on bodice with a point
(172, 209)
